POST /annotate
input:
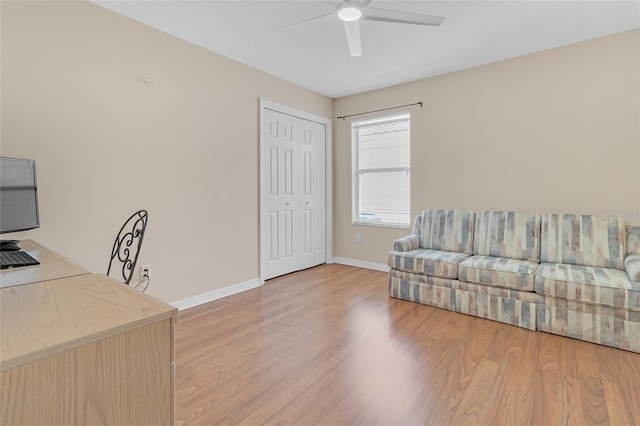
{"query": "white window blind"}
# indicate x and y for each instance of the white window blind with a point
(381, 172)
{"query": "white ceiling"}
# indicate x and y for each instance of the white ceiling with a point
(315, 55)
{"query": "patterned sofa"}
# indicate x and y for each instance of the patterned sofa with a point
(576, 276)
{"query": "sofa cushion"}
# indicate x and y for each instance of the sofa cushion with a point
(588, 284)
(583, 240)
(499, 272)
(525, 296)
(507, 234)
(437, 263)
(448, 230)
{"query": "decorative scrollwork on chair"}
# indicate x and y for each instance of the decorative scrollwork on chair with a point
(127, 245)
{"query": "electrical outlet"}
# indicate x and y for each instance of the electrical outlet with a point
(145, 271)
(358, 238)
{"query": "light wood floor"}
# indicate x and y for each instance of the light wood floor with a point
(327, 346)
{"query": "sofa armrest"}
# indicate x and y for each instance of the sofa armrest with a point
(632, 266)
(409, 243)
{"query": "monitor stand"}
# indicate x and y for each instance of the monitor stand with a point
(9, 245)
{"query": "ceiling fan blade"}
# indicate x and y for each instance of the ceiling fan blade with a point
(396, 16)
(352, 29)
(334, 3)
(338, 3)
(303, 22)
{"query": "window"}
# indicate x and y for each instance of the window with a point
(381, 171)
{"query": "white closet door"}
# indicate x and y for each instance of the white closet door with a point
(306, 234)
(293, 196)
(279, 168)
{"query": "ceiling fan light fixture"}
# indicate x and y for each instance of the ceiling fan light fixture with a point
(349, 13)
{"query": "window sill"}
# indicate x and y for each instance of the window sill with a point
(382, 225)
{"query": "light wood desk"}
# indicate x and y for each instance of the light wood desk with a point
(52, 266)
(82, 349)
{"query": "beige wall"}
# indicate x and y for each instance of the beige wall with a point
(556, 131)
(107, 143)
(553, 131)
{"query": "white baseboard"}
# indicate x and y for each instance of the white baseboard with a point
(210, 296)
(361, 264)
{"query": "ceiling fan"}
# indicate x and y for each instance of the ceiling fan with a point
(352, 11)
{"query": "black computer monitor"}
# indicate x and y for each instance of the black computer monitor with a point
(18, 195)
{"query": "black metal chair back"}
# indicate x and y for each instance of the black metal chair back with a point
(126, 247)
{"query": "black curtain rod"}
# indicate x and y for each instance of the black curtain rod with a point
(379, 110)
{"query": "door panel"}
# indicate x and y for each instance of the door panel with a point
(273, 233)
(307, 249)
(273, 171)
(288, 172)
(288, 234)
(307, 173)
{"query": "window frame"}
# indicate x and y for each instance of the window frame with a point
(356, 172)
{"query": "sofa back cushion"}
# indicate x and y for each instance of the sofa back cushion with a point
(583, 240)
(633, 239)
(448, 230)
(507, 234)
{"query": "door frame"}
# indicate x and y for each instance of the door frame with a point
(328, 208)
